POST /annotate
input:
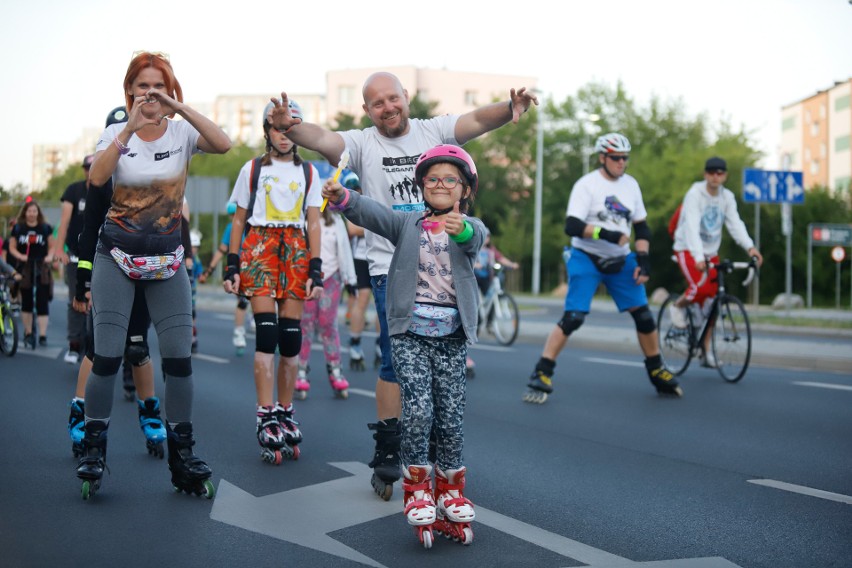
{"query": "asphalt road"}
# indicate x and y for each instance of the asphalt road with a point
(605, 474)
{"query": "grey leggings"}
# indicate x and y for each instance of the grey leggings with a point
(170, 306)
(431, 375)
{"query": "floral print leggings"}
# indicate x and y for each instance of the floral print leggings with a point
(321, 316)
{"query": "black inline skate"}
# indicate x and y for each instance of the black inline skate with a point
(91, 466)
(290, 428)
(662, 379)
(270, 436)
(386, 462)
(356, 355)
(540, 384)
(189, 472)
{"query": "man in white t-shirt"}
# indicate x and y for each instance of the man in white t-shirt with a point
(384, 157)
(604, 208)
(706, 207)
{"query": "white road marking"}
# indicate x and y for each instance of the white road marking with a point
(362, 392)
(46, 352)
(809, 491)
(211, 358)
(823, 385)
(613, 362)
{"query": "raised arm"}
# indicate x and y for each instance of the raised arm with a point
(306, 134)
(490, 117)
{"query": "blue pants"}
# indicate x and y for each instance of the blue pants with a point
(584, 279)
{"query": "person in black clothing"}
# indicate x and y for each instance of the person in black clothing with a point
(70, 225)
(30, 245)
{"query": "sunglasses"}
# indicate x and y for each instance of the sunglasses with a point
(618, 158)
(716, 172)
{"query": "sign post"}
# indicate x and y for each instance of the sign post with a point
(784, 187)
(837, 255)
(830, 235)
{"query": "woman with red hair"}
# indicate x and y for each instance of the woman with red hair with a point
(139, 252)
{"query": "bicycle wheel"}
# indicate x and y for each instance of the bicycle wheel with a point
(675, 342)
(9, 337)
(503, 319)
(731, 339)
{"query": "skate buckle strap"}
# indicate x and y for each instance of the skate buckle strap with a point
(425, 485)
(418, 504)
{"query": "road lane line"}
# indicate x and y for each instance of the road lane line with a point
(823, 385)
(809, 491)
(613, 362)
(211, 358)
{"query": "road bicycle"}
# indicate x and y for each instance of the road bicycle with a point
(8, 329)
(726, 322)
(498, 310)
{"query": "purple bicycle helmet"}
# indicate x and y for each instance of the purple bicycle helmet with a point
(449, 154)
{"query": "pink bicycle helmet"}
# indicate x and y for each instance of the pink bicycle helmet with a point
(450, 154)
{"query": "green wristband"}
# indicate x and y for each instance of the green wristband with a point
(84, 264)
(465, 235)
(596, 233)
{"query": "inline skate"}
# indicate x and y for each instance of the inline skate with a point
(356, 355)
(469, 368)
(419, 503)
(290, 428)
(240, 340)
(189, 472)
(541, 382)
(91, 466)
(270, 435)
(662, 379)
(386, 461)
(338, 382)
(454, 511)
(152, 426)
(303, 385)
(76, 419)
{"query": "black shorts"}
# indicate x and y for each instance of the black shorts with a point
(362, 271)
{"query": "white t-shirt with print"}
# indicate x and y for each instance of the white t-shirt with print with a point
(385, 167)
(612, 205)
(699, 228)
(280, 194)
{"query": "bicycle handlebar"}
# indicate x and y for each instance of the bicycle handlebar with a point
(729, 266)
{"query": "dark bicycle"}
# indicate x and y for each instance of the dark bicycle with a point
(727, 321)
(8, 328)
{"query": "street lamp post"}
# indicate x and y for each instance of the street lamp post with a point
(539, 161)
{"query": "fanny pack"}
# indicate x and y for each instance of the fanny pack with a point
(156, 267)
(611, 265)
(434, 321)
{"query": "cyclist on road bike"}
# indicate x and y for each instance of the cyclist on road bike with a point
(604, 208)
(706, 207)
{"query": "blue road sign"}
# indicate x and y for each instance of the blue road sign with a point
(764, 186)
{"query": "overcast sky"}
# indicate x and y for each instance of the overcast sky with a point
(64, 62)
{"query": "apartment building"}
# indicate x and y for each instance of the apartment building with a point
(455, 92)
(816, 138)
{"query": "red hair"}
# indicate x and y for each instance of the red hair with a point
(143, 61)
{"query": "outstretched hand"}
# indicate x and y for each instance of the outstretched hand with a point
(521, 102)
(333, 191)
(454, 221)
(281, 118)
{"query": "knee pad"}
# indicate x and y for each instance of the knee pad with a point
(571, 322)
(289, 337)
(136, 351)
(106, 366)
(177, 366)
(266, 336)
(644, 320)
(242, 303)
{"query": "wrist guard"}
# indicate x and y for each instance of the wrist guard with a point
(233, 267)
(84, 283)
(611, 236)
(643, 259)
(315, 272)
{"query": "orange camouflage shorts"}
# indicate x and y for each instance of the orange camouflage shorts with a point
(274, 263)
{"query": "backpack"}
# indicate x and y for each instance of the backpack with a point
(674, 221)
(255, 180)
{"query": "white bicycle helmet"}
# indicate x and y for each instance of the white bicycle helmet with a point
(611, 143)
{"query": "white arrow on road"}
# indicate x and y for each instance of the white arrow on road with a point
(319, 514)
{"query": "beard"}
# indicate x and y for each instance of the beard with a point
(396, 131)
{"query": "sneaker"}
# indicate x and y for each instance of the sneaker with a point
(72, 357)
(709, 360)
(678, 316)
(42, 341)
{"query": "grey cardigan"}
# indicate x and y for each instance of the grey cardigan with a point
(403, 231)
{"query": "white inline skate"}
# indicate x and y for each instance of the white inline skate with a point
(455, 512)
(420, 510)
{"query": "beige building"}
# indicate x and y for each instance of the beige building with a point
(455, 92)
(816, 136)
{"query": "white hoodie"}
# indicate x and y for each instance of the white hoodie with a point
(699, 229)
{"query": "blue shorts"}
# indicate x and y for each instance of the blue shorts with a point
(584, 279)
(380, 288)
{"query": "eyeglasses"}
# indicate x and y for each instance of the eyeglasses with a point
(716, 172)
(162, 55)
(618, 158)
(448, 182)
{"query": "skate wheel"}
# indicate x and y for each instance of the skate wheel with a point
(241, 352)
(88, 490)
(425, 536)
(468, 536)
(535, 397)
(210, 490)
(277, 457)
(344, 394)
(300, 394)
(382, 489)
(296, 452)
